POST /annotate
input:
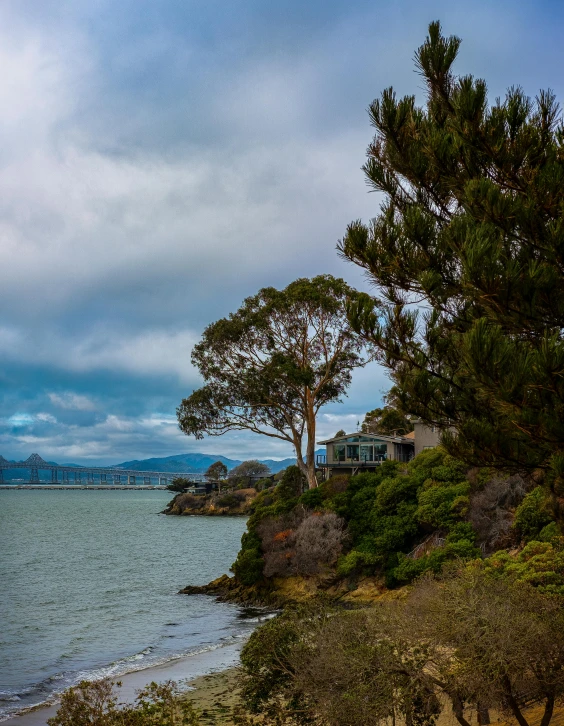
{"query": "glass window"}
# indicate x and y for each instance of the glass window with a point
(352, 452)
(366, 453)
(338, 452)
(380, 452)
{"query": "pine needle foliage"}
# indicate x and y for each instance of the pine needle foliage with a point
(468, 252)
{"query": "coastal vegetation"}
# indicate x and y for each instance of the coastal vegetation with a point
(232, 502)
(398, 523)
(387, 420)
(96, 704)
(451, 566)
(465, 542)
(469, 641)
(469, 231)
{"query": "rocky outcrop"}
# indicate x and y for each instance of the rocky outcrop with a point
(281, 591)
(232, 503)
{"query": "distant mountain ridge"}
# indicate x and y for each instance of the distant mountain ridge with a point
(198, 463)
(180, 463)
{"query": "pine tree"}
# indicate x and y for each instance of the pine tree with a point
(471, 231)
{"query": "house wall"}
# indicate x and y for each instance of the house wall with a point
(425, 436)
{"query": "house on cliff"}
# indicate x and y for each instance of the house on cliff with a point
(356, 452)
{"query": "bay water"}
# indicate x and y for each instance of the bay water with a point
(89, 586)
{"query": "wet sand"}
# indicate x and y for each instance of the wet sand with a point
(209, 678)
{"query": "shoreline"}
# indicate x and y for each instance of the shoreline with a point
(192, 673)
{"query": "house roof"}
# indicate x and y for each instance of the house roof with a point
(410, 435)
(373, 437)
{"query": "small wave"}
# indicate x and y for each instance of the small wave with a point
(48, 691)
(9, 695)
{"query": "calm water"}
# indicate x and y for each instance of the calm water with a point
(89, 583)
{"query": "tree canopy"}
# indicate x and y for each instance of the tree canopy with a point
(388, 420)
(465, 643)
(470, 230)
(216, 471)
(269, 367)
(250, 468)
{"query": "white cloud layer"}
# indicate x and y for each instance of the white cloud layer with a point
(153, 174)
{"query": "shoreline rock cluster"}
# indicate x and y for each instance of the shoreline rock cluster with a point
(281, 591)
(230, 503)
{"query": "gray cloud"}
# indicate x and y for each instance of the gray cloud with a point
(161, 161)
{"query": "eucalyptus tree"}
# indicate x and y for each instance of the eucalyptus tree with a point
(271, 366)
(216, 471)
(471, 229)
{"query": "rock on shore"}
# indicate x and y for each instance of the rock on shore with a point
(223, 504)
(280, 591)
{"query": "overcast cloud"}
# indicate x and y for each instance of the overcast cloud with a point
(161, 161)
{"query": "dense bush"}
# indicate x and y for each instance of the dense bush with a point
(492, 507)
(387, 514)
(465, 643)
(95, 704)
(270, 503)
(249, 564)
(540, 564)
(300, 543)
(233, 499)
(533, 514)
(459, 545)
(188, 501)
(263, 484)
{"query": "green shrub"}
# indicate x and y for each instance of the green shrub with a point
(533, 514)
(263, 484)
(456, 547)
(355, 561)
(313, 498)
(541, 564)
(551, 533)
(440, 505)
(248, 566)
(386, 513)
(94, 703)
(292, 484)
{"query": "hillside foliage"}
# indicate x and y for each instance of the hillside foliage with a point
(468, 642)
(397, 522)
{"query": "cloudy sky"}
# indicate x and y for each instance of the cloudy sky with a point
(160, 161)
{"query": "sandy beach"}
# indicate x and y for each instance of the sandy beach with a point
(208, 678)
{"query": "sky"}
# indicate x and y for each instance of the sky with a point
(161, 161)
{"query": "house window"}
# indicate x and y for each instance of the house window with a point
(338, 452)
(352, 452)
(366, 453)
(380, 452)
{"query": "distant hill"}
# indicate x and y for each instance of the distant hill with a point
(198, 463)
(181, 463)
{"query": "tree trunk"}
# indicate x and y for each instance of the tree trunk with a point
(310, 444)
(548, 710)
(513, 705)
(483, 714)
(458, 709)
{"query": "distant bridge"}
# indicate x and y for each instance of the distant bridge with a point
(104, 476)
